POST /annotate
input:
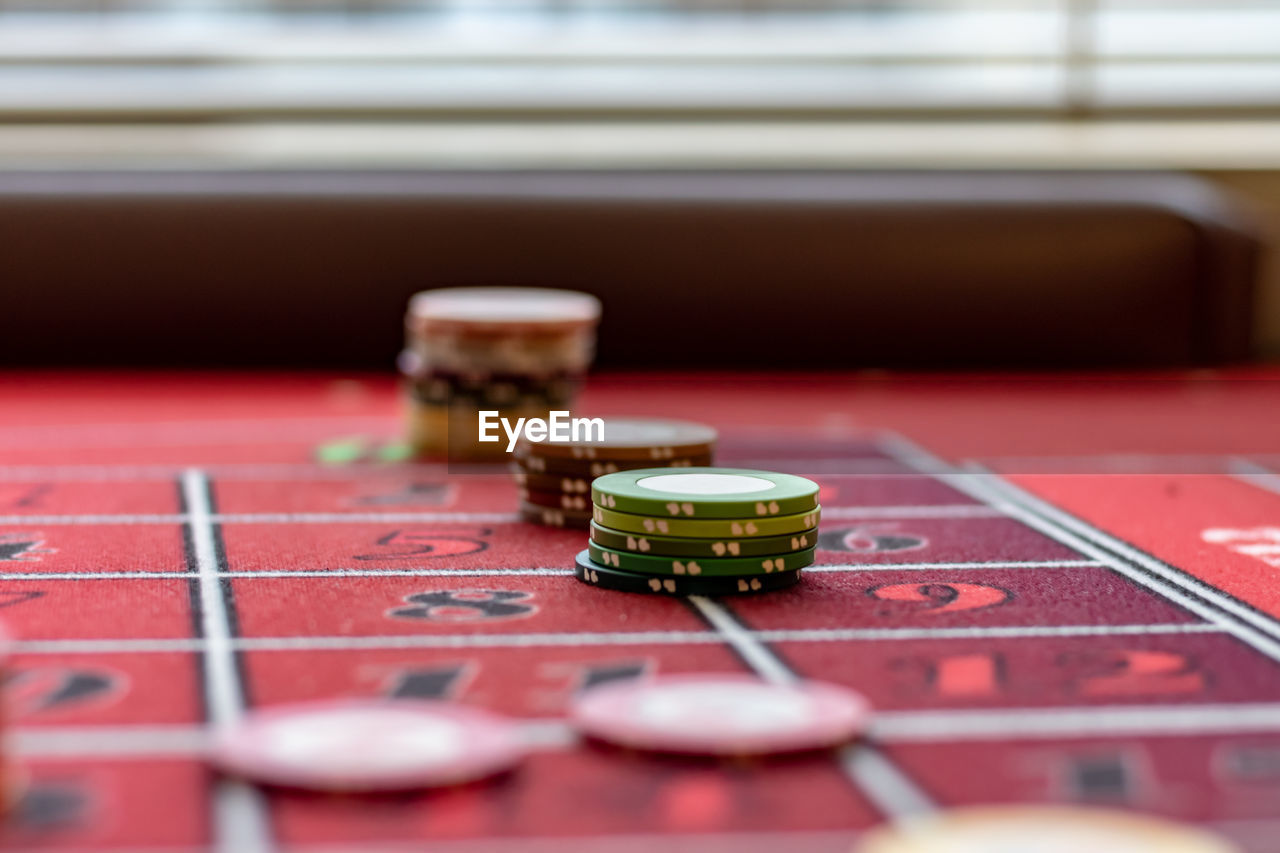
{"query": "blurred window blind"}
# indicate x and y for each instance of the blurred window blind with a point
(191, 59)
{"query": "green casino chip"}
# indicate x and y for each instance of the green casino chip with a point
(704, 567)
(590, 572)
(671, 546)
(705, 493)
(707, 528)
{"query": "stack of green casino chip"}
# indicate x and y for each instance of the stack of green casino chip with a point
(700, 531)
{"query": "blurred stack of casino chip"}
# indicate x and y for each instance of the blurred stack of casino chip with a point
(522, 352)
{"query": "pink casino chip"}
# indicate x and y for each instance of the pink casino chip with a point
(364, 746)
(721, 714)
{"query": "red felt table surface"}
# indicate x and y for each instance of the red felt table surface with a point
(1051, 589)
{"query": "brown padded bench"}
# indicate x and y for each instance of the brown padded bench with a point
(783, 270)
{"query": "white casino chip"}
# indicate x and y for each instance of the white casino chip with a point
(721, 714)
(368, 746)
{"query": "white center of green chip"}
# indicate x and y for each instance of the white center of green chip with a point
(704, 484)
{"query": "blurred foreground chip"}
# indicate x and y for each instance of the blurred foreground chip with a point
(1040, 829)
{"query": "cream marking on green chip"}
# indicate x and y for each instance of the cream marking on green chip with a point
(704, 484)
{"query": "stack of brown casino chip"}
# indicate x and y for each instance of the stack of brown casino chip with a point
(555, 477)
(521, 352)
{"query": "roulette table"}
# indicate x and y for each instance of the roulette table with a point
(1050, 589)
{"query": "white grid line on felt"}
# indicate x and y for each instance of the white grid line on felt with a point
(838, 513)
(249, 574)
(239, 811)
(1092, 542)
(588, 638)
(940, 725)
